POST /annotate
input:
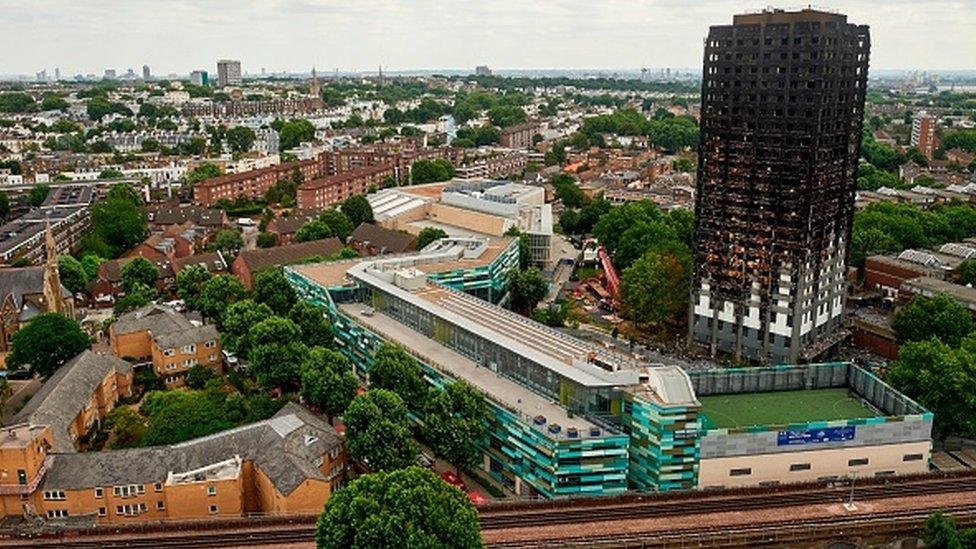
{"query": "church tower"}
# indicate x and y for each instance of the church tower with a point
(52, 276)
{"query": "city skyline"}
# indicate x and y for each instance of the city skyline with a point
(292, 35)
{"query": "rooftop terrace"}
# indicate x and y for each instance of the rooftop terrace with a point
(736, 410)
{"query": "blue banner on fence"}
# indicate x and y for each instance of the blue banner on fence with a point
(812, 436)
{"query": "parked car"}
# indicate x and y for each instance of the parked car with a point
(476, 498)
(454, 480)
(425, 461)
(230, 360)
(19, 373)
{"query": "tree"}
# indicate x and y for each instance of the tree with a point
(189, 284)
(940, 316)
(328, 382)
(73, 275)
(315, 326)
(90, 263)
(378, 432)
(176, 416)
(37, 194)
(217, 294)
(117, 225)
(4, 206)
(428, 235)
(138, 296)
(394, 369)
(295, 132)
(312, 230)
(238, 320)
(198, 376)
(240, 139)
(46, 343)
(138, 271)
(228, 241)
(941, 379)
(276, 352)
(339, 222)
(430, 171)
(358, 210)
(654, 290)
(940, 532)
(124, 191)
(568, 192)
(16, 102)
(267, 240)
(525, 253)
(110, 173)
(527, 288)
(506, 115)
(406, 508)
(203, 172)
(126, 427)
(273, 289)
(966, 271)
(455, 423)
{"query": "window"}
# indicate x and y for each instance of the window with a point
(211, 490)
(334, 453)
(186, 349)
(213, 509)
(740, 472)
(99, 492)
(912, 457)
(160, 505)
(190, 362)
(102, 511)
(857, 462)
(169, 352)
(885, 474)
(158, 486)
(54, 495)
(130, 509)
(211, 344)
(128, 490)
(800, 467)
(57, 513)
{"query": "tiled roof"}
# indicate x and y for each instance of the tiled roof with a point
(388, 240)
(258, 260)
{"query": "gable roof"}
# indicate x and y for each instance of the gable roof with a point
(157, 319)
(260, 259)
(212, 261)
(285, 447)
(387, 240)
(67, 392)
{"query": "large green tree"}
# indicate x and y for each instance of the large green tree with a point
(654, 290)
(189, 284)
(430, 171)
(117, 225)
(315, 229)
(315, 326)
(227, 241)
(203, 172)
(73, 276)
(46, 343)
(378, 431)
(941, 379)
(138, 271)
(338, 222)
(428, 235)
(395, 370)
(455, 423)
(357, 209)
(295, 132)
(277, 352)
(940, 316)
(240, 139)
(328, 382)
(405, 508)
(527, 288)
(238, 320)
(217, 294)
(273, 289)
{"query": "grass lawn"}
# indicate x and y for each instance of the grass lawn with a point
(746, 409)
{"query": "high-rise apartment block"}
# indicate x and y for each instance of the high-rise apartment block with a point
(146, 73)
(228, 73)
(199, 78)
(923, 133)
(781, 117)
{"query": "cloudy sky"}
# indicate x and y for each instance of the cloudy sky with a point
(86, 36)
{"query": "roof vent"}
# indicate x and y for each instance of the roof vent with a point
(539, 420)
(555, 428)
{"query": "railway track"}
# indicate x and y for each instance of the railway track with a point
(244, 534)
(758, 534)
(659, 508)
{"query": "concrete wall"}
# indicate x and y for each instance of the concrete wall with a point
(887, 459)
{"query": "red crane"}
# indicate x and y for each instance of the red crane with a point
(613, 281)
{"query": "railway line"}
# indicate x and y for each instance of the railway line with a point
(516, 516)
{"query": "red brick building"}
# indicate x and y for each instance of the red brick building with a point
(321, 193)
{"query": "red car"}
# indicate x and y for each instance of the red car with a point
(454, 480)
(476, 498)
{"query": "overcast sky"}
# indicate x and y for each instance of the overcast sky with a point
(87, 36)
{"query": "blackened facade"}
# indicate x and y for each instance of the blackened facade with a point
(781, 117)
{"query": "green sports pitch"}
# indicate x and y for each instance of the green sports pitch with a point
(776, 408)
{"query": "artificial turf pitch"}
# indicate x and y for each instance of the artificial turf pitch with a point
(774, 408)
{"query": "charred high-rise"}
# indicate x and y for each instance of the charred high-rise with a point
(782, 108)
